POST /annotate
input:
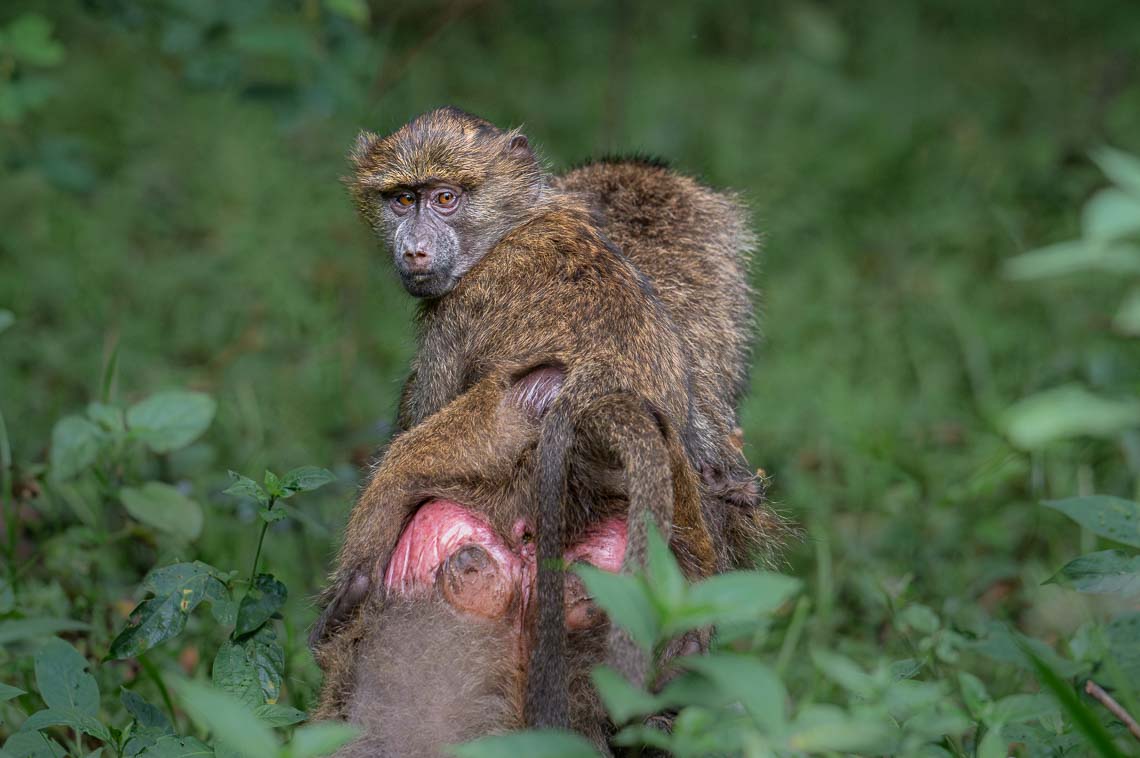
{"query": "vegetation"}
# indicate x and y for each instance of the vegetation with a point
(947, 395)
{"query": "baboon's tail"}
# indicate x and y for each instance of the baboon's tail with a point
(615, 426)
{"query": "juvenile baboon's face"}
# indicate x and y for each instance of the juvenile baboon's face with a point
(425, 228)
(441, 192)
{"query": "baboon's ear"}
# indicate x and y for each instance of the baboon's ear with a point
(519, 146)
(365, 141)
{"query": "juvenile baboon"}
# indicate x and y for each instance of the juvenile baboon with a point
(518, 275)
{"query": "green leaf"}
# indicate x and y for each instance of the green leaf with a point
(1111, 214)
(243, 486)
(918, 617)
(165, 508)
(7, 692)
(1015, 708)
(7, 318)
(354, 10)
(729, 598)
(305, 479)
(265, 598)
(549, 743)
(143, 712)
(75, 444)
(664, 576)
(1067, 412)
(69, 717)
(974, 694)
(15, 630)
(271, 516)
(1121, 167)
(746, 679)
(177, 590)
(1112, 517)
(1083, 718)
(1127, 319)
(1073, 257)
(171, 420)
(279, 715)
(268, 659)
(227, 718)
(28, 39)
(173, 746)
(63, 681)
(321, 738)
(273, 484)
(108, 417)
(1106, 572)
(993, 744)
(627, 601)
(33, 744)
(844, 672)
(623, 701)
(235, 674)
(827, 728)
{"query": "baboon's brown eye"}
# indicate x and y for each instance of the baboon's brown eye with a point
(445, 198)
(405, 199)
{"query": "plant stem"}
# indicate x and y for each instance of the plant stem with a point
(10, 514)
(152, 672)
(260, 540)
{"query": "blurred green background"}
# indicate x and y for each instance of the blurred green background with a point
(171, 185)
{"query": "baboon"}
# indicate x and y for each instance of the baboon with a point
(445, 531)
(448, 189)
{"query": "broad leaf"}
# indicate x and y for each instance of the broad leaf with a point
(1112, 517)
(7, 692)
(279, 715)
(177, 591)
(32, 744)
(146, 714)
(305, 479)
(1127, 319)
(666, 581)
(173, 746)
(319, 739)
(827, 728)
(69, 717)
(165, 508)
(623, 701)
(1074, 257)
(229, 719)
(265, 598)
(1106, 572)
(15, 630)
(107, 417)
(533, 743)
(243, 486)
(63, 681)
(1111, 214)
(75, 444)
(730, 598)
(265, 652)
(1121, 167)
(235, 674)
(1067, 412)
(171, 420)
(748, 680)
(627, 601)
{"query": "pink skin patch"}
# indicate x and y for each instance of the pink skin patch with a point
(441, 529)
